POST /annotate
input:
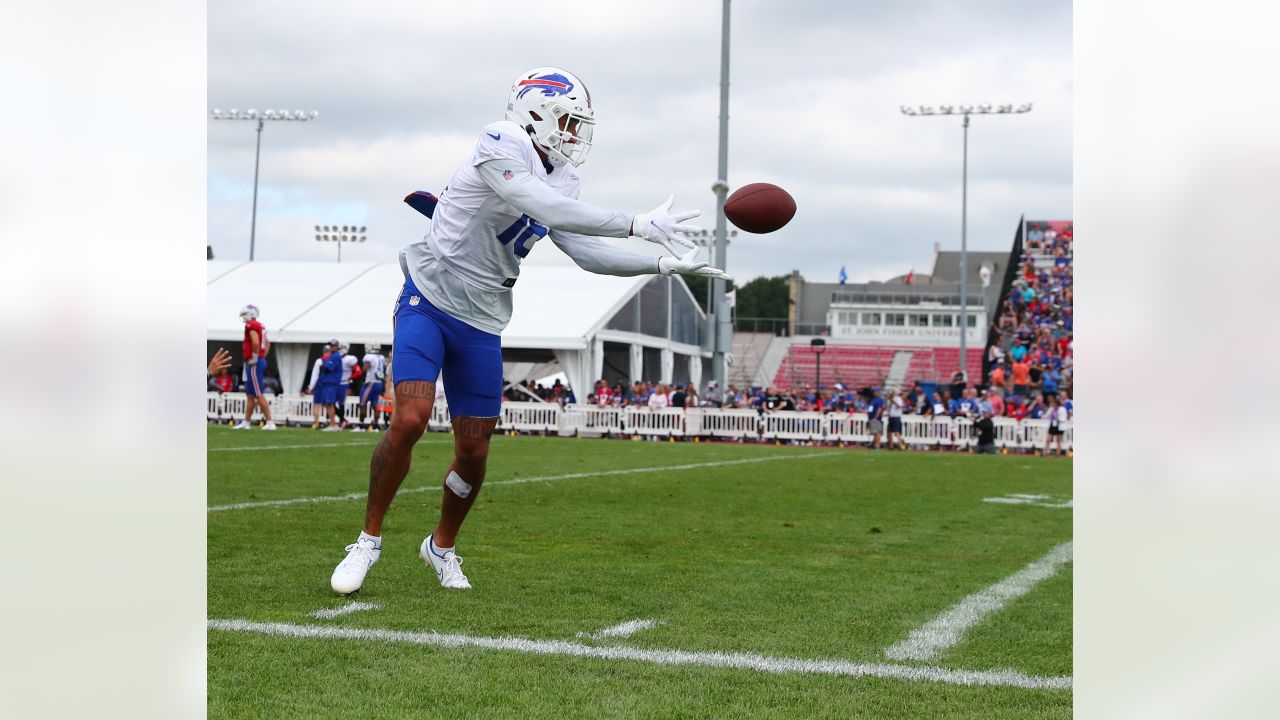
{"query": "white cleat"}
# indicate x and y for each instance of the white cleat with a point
(349, 575)
(241, 426)
(269, 426)
(332, 428)
(448, 567)
(357, 429)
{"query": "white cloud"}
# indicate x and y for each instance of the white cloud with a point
(815, 90)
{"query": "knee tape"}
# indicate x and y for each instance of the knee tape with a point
(460, 487)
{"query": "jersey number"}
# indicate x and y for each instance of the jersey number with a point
(522, 231)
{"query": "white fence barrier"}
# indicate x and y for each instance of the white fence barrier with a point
(655, 422)
(530, 417)
(791, 425)
(733, 423)
(717, 423)
(591, 420)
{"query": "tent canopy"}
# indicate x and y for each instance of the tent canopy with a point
(557, 308)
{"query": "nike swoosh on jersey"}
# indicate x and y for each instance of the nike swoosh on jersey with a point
(495, 137)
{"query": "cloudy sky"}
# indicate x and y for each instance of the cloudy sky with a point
(403, 88)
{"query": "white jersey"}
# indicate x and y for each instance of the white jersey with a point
(377, 367)
(349, 363)
(470, 258)
(315, 373)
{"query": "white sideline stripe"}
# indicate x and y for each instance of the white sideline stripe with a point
(313, 445)
(351, 607)
(1029, 497)
(520, 481)
(940, 634)
(626, 629)
(1015, 500)
(743, 661)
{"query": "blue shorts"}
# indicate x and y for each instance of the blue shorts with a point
(427, 341)
(341, 396)
(325, 394)
(253, 373)
(371, 393)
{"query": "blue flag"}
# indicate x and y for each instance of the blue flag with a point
(844, 276)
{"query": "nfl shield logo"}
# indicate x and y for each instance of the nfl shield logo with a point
(506, 174)
(414, 300)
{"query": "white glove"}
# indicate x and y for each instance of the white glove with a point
(660, 226)
(688, 266)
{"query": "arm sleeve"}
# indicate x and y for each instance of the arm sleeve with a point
(535, 199)
(597, 256)
(315, 373)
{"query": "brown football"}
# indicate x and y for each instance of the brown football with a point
(760, 207)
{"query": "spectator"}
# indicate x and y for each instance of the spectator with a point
(997, 374)
(773, 400)
(1021, 377)
(996, 402)
(271, 383)
(895, 406)
(1050, 386)
(985, 427)
(679, 397)
(958, 384)
(875, 417)
(224, 383)
(1057, 419)
(658, 399)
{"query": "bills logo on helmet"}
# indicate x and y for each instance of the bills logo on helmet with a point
(550, 85)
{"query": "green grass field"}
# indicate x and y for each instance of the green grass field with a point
(759, 552)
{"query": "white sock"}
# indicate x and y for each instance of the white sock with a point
(439, 551)
(377, 539)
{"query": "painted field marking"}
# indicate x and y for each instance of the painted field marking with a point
(931, 640)
(351, 607)
(621, 630)
(744, 661)
(520, 481)
(314, 445)
(1023, 499)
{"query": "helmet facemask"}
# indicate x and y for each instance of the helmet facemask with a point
(566, 137)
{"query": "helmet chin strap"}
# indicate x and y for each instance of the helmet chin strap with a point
(550, 161)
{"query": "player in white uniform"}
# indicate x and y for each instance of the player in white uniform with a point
(375, 373)
(519, 185)
(349, 363)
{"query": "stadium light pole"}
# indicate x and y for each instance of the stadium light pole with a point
(251, 114)
(818, 346)
(966, 111)
(722, 329)
(340, 234)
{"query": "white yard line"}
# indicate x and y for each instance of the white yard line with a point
(521, 481)
(940, 634)
(314, 445)
(1027, 500)
(351, 607)
(621, 630)
(744, 661)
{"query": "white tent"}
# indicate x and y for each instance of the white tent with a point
(562, 313)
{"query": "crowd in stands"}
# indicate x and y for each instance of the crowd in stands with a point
(225, 382)
(959, 400)
(1033, 346)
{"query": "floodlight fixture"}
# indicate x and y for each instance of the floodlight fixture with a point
(966, 111)
(252, 114)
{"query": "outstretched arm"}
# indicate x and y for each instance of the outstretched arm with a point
(513, 183)
(595, 255)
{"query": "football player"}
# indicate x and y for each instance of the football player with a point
(375, 372)
(255, 365)
(519, 185)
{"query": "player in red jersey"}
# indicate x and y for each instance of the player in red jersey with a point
(255, 365)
